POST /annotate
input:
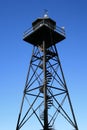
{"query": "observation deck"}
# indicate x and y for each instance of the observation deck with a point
(44, 29)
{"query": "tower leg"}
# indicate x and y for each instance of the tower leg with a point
(76, 126)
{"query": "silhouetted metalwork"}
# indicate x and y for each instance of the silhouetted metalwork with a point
(46, 101)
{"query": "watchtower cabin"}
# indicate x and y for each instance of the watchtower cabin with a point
(44, 29)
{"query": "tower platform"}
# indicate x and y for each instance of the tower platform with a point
(44, 29)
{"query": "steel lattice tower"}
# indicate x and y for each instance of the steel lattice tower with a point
(46, 102)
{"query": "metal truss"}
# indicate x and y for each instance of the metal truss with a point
(46, 99)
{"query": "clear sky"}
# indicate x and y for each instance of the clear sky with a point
(15, 17)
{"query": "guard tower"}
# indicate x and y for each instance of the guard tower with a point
(46, 103)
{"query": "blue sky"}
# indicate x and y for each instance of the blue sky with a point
(15, 17)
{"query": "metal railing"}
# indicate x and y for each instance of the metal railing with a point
(60, 30)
